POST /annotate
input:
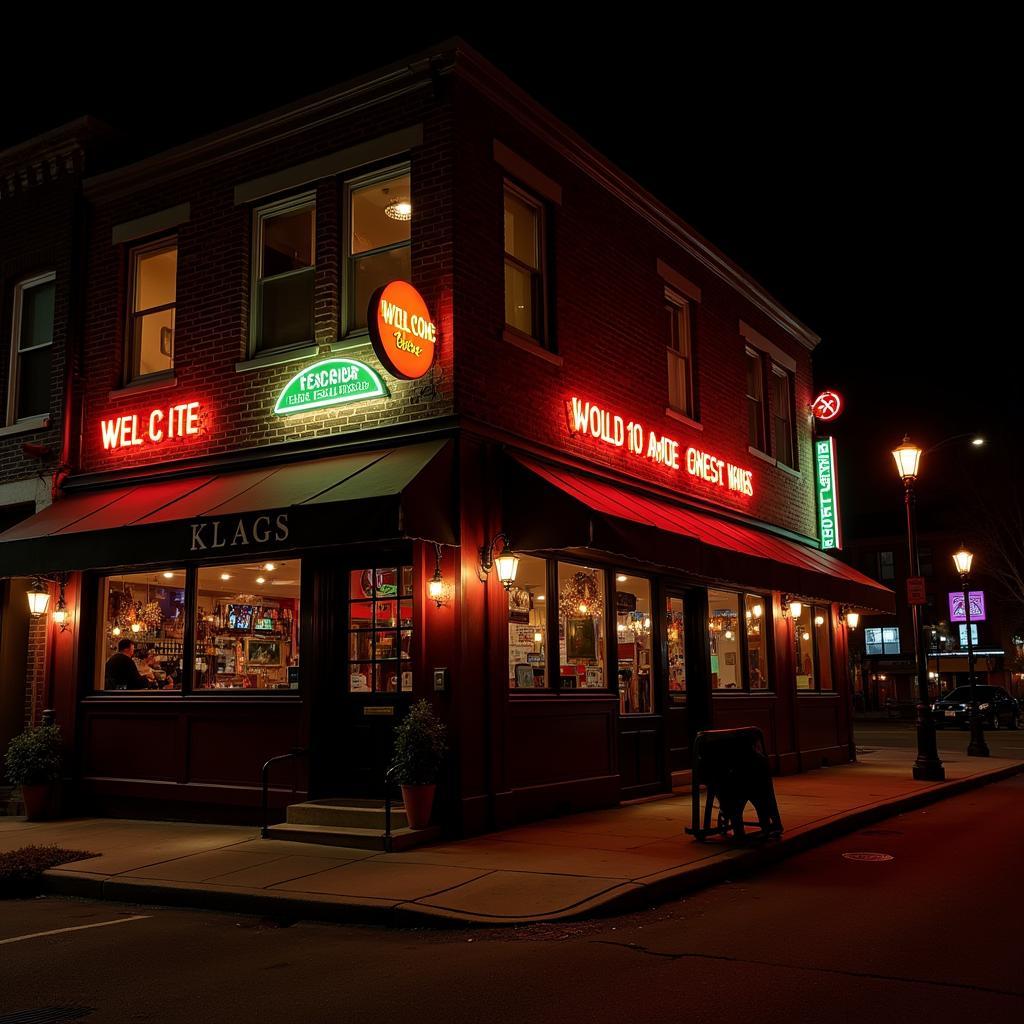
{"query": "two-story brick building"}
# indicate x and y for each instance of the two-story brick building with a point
(296, 488)
(41, 224)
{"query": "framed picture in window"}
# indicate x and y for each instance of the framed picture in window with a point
(262, 652)
(524, 677)
(580, 639)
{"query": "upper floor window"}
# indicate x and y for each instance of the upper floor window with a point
(755, 400)
(31, 344)
(782, 416)
(886, 565)
(284, 266)
(525, 291)
(153, 283)
(679, 343)
(884, 640)
(380, 242)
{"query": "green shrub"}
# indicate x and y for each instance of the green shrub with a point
(33, 758)
(420, 746)
(21, 870)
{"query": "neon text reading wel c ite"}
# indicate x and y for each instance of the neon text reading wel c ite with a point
(155, 427)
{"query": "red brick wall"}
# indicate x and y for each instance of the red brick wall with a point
(35, 669)
(212, 324)
(608, 325)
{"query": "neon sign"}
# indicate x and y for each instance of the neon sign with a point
(401, 330)
(828, 494)
(329, 382)
(156, 427)
(827, 406)
(592, 421)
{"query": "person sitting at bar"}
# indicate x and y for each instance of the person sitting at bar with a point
(147, 666)
(120, 672)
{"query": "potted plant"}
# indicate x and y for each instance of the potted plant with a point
(32, 761)
(420, 746)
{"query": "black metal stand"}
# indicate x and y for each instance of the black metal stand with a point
(927, 767)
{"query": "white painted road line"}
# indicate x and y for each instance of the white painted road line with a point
(77, 928)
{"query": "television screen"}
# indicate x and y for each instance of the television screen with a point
(239, 616)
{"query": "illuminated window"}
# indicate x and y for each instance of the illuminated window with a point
(141, 642)
(527, 626)
(380, 630)
(886, 565)
(380, 237)
(634, 628)
(31, 344)
(812, 643)
(755, 400)
(675, 642)
(247, 627)
(284, 266)
(581, 627)
(525, 292)
(153, 283)
(738, 625)
(782, 416)
(679, 345)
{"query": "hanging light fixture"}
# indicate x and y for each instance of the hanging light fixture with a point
(437, 591)
(398, 207)
(38, 597)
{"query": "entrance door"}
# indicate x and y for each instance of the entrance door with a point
(641, 701)
(373, 636)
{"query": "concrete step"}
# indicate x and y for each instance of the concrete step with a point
(340, 812)
(354, 838)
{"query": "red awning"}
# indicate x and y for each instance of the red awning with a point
(640, 526)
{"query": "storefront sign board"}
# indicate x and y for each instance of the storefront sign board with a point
(402, 331)
(329, 382)
(828, 494)
(158, 426)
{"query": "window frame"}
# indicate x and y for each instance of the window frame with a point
(346, 309)
(150, 247)
(816, 690)
(881, 572)
(761, 444)
(783, 374)
(261, 214)
(681, 309)
(886, 645)
(745, 688)
(14, 363)
(378, 563)
(93, 583)
(542, 318)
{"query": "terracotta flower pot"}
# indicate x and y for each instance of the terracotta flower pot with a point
(37, 801)
(419, 801)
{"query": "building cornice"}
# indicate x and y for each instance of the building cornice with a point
(48, 157)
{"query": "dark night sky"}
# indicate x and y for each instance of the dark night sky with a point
(860, 171)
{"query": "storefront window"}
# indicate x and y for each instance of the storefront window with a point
(581, 636)
(247, 627)
(380, 630)
(724, 627)
(527, 626)
(633, 641)
(756, 612)
(141, 643)
(804, 649)
(823, 646)
(675, 636)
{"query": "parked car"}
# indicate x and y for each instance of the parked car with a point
(995, 706)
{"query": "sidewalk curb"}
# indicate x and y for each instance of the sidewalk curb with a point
(628, 897)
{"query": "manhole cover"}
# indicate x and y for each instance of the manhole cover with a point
(875, 857)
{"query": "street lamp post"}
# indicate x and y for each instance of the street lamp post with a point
(977, 747)
(927, 767)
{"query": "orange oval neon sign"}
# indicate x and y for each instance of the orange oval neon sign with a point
(401, 329)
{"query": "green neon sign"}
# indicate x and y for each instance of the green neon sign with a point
(329, 382)
(828, 494)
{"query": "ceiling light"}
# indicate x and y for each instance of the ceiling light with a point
(260, 579)
(540, 597)
(399, 208)
(620, 578)
(168, 575)
(225, 575)
(269, 566)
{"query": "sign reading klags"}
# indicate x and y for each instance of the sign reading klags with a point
(401, 329)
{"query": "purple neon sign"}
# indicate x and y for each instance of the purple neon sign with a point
(956, 606)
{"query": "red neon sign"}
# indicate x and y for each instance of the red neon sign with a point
(593, 421)
(827, 406)
(156, 427)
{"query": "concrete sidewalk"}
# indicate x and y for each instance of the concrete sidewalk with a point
(600, 862)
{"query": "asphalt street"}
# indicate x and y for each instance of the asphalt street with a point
(1001, 742)
(932, 934)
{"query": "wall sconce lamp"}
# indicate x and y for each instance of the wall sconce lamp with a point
(792, 606)
(506, 564)
(39, 599)
(850, 617)
(437, 590)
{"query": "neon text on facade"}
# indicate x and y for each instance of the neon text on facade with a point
(593, 421)
(828, 494)
(156, 427)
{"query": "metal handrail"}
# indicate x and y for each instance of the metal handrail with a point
(388, 784)
(265, 782)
